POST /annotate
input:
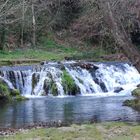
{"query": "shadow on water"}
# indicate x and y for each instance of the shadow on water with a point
(69, 110)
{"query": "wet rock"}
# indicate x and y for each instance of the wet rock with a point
(35, 79)
(118, 89)
(46, 87)
(68, 58)
(138, 85)
(87, 66)
(42, 63)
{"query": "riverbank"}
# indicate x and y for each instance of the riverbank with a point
(96, 131)
(28, 56)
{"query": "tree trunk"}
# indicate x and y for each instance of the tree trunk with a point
(2, 37)
(34, 25)
(22, 28)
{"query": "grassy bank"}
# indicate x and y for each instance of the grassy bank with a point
(99, 131)
(37, 55)
(48, 50)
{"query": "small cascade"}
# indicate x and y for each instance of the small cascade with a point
(71, 78)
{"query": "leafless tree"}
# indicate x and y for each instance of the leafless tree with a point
(114, 15)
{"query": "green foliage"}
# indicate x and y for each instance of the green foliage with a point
(69, 85)
(49, 44)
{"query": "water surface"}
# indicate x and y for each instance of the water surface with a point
(70, 110)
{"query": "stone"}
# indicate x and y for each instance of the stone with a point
(118, 89)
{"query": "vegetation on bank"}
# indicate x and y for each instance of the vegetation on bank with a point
(49, 53)
(99, 131)
(134, 103)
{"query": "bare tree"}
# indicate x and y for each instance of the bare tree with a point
(118, 31)
(34, 24)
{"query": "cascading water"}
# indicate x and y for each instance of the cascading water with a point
(72, 78)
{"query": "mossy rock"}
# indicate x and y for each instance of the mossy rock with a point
(69, 85)
(35, 79)
(20, 98)
(9, 94)
(14, 92)
(4, 89)
(136, 92)
(135, 103)
(54, 89)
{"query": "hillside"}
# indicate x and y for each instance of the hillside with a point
(68, 29)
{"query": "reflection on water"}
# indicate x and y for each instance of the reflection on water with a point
(71, 109)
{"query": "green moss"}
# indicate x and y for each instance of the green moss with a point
(136, 93)
(20, 98)
(4, 90)
(135, 103)
(14, 92)
(54, 90)
(69, 85)
(35, 79)
(9, 94)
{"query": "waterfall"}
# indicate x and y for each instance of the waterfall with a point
(72, 78)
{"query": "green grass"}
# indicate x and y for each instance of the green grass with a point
(33, 54)
(99, 131)
(48, 49)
